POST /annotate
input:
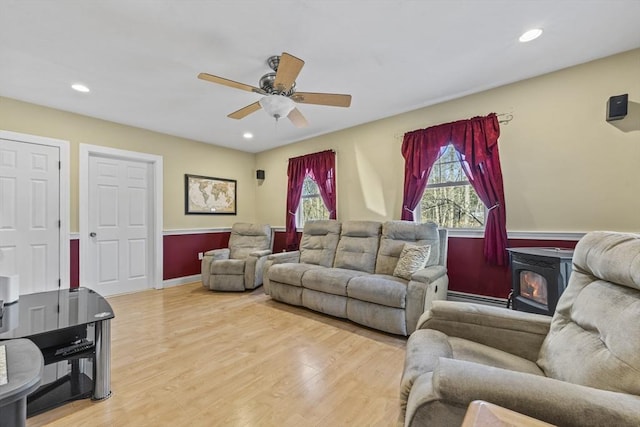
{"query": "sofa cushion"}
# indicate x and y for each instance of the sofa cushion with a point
(334, 305)
(290, 273)
(286, 293)
(394, 236)
(228, 266)
(330, 280)
(587, 343)
(388, 319)
(246, 238)
(412, 258)
(319, 242)
(471, 351)
(380, 289)
(358, 246)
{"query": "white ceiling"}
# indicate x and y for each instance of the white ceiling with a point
(140, 58)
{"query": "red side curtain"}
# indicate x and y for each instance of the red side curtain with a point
(476, 140)
(296, 172)
(420, 150)
(323, 173)
(321, 168)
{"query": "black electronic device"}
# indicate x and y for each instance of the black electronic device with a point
(260, 174)
(617, 107)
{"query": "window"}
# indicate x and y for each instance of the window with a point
(449, 199)
(311, 205)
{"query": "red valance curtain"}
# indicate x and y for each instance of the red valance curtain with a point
(476, 141)
(321, 168)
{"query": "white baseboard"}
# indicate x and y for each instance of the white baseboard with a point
(478, 299)
(181, 281)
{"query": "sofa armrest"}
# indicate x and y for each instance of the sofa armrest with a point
(207, 259)
(217, 254)
(429, 274)
(458, 383)
(254, 268)
(277, 258)
(280, 257)
(262, 253)
(512, 331)
(432, 284)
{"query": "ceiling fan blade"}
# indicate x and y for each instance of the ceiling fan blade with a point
(297, 118)
(332, 99)
(288, 69)
(245, 111)
(230, 83)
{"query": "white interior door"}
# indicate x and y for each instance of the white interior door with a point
(121, 202)
(30, 218)
(119, 225)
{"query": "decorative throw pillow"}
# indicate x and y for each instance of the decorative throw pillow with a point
(412, 258)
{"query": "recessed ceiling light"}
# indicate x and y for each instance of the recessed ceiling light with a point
(530, 35)
(247, 135)
(80, 87)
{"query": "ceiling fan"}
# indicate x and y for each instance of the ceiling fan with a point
(279, 90)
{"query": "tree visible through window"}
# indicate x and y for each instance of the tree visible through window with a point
(449, 199)
(311, 205)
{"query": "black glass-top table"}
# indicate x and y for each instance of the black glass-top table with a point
(72, 329)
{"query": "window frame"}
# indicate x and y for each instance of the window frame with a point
(454, 231)
(300, 220)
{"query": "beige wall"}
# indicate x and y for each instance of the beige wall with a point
(565, 168)
(179, 155)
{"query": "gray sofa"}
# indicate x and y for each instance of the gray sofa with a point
(347, 270)
(579, 368)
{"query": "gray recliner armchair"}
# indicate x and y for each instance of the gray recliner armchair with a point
(579, 368)
(238, 267)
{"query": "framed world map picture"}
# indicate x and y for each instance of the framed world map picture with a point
(204, 195)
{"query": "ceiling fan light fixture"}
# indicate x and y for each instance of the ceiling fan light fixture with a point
(277, 105)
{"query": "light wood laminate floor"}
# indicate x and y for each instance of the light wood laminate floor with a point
(186, 356)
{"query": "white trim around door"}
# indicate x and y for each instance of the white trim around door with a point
(155, 162)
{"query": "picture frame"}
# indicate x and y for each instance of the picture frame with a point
(206, 195)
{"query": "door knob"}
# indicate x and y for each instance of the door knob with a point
(92, 234)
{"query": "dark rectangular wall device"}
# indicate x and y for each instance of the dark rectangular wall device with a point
(617, 107)
(260, 174)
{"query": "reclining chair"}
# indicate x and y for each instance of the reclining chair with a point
(238, 267)
(579, 368)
